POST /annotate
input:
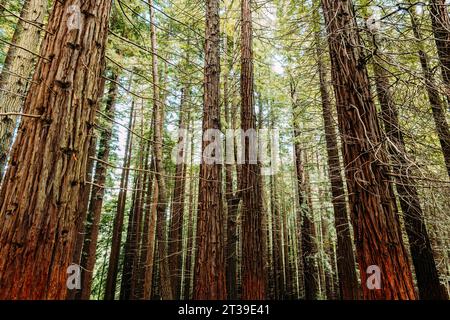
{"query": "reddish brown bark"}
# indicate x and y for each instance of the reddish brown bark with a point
(210, 257)
(39, 200)
(372, 203)
(308, 230)
(148, 248)
(346, 266)
(253, 266)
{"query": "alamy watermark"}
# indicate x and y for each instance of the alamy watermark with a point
(74, 277)
(234, 147)
(373, 281)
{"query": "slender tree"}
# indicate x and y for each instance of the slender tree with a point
(177, 209)
(131, 250)
(148, 237)
(210, 258)
(189, 257)
(233, 198)
(158, 110)
(253, 266)
(97, 193)
(113, 265)
(436, 103)
(440, 21)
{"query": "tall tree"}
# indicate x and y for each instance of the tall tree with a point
(189, 252)
(158, 113)
(39, 196)
(113, 265)
(233, 198)
(210, 257)
(346, 266)
(19, 63)
(148, 237)
(306, 229)
(253, 270)
(372, 203)
(277, 251)
(130, 273)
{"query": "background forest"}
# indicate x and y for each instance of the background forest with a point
(95, 172)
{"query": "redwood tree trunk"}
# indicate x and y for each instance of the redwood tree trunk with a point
(253, 270)
(16, 70)
(346, 266)
(371, 199)
(151, 244)
(305, 223)
(210, 257)
(39, 197)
